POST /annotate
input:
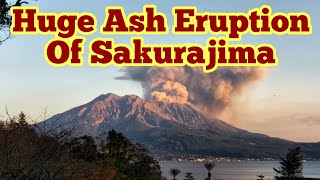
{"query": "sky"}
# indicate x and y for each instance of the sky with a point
(284, 104)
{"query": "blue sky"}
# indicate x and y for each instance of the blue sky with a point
(289, 91)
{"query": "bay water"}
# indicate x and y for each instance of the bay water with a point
(235, 170)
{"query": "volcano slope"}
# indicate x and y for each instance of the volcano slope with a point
(173, 129)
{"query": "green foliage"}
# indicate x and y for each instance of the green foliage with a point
(291, 166)
(22, 119)
(4, 13)
(5, 21)
(130, 160)
(83, 148)
(26, 153)
(189, 176)
(5, 18)
(174, 173)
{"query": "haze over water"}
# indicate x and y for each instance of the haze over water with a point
(243, 170)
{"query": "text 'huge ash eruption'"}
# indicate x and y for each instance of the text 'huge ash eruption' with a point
(209, 92)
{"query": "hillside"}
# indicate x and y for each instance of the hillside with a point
(173, 128)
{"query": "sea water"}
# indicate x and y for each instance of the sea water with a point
(235, 170)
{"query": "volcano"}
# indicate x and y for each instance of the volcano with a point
(169, 128)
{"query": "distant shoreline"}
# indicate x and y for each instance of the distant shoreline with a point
(236, 170)
(218, 159)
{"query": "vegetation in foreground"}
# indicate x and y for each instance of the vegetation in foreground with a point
(5, 18)
(291, 168)
(47, 152)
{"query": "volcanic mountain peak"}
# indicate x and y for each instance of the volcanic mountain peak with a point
(110, 109)
(165, 127)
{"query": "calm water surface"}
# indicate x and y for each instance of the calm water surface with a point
(244, 170)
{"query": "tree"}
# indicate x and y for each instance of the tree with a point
(26, 154)
(174, 173)
(291, 166)
(209, 166)
(84, 148)
(5, 21)
(47, 151)
(22, 119)
(260, 177)
(189, 176)
(131, 161)
(5, 18)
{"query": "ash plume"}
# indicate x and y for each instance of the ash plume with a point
(170, 92)
(209, 92)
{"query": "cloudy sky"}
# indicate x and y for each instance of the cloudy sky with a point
(284, 104)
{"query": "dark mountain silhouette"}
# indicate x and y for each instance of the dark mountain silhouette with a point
(173, 128)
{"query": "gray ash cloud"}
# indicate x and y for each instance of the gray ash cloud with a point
(209, 92)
